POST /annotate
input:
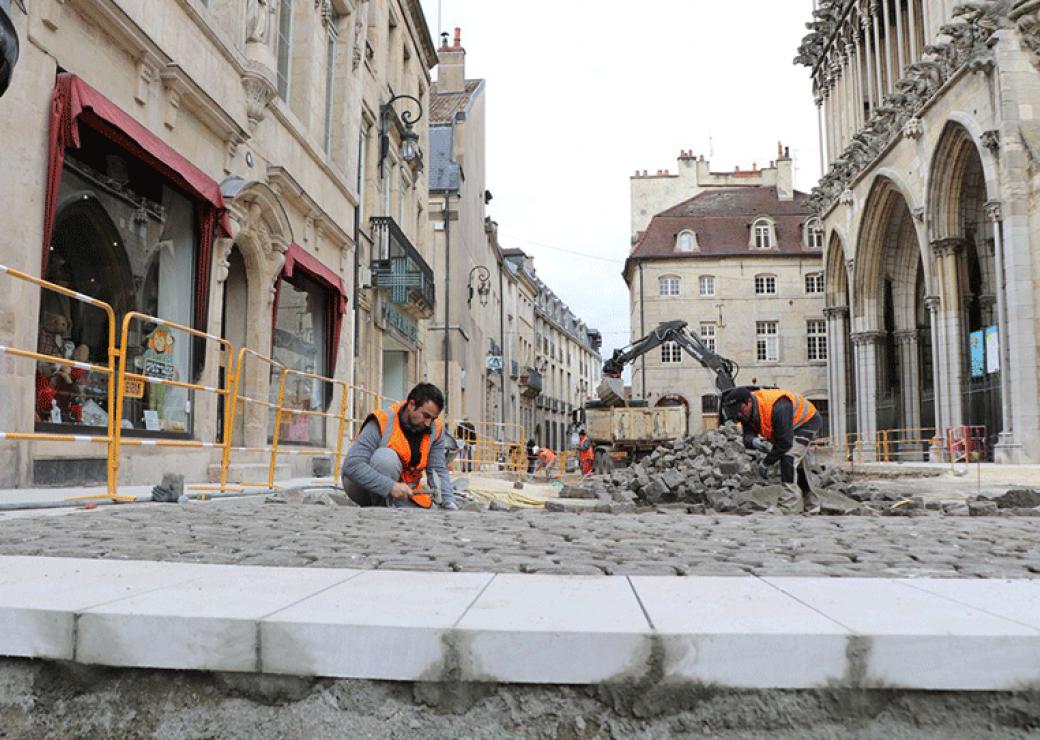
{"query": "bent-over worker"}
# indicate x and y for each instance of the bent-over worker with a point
(385, 463)
(790, 423)
(546, 461)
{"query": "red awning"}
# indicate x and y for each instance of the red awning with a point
(298, 260)
(75, 102)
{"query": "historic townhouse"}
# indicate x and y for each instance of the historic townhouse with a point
(738, 256)
(228, 165)
(930, 207)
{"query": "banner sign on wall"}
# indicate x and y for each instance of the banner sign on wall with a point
(977, 348)
(992, 350)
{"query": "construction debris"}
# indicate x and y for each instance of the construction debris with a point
(712, 471)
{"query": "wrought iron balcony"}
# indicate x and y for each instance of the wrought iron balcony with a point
(398, 267)
(531, 383)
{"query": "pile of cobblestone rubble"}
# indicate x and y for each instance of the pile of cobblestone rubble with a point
(712, 472)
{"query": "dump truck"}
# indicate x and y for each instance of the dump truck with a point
(622, 430)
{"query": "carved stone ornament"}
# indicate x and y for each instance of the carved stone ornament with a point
(932, 303)
(224, 247)
(994, 211)
(913, 129)
(259, 91)
(964, 42)
(906, 336)
(835, 312)
(918, 214)
(1026, 16)
(846, 197)
(950, 246)
(991, 140)
(358, 46)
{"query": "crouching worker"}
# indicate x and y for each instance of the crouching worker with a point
(789, 422)
(385, 464)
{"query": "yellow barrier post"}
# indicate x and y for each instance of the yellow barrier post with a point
(111, 483)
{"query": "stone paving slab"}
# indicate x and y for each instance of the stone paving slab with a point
(865, 633)
(909, 636)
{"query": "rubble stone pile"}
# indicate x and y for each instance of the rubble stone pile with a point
(712, 471)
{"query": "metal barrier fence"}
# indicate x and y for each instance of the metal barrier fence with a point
(110, 438)
(136, 383)
(487, 446)
(965, 444)
(959, 444)
(497, 446)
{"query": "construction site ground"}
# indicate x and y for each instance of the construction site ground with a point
(59, 698)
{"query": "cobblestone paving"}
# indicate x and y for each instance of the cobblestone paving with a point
(251, 532)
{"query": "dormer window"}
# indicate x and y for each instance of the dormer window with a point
(814, 234)
(763, 234)
(686, 241)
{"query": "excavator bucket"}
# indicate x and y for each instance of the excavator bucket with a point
(611, 391)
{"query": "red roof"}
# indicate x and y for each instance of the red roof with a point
(444, 105)
(722, 219)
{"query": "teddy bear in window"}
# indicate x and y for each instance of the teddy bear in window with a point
(55, 384)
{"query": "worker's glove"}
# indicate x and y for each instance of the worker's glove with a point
(762, 470)
(760, 444)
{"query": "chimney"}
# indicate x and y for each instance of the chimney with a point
(784, 175)
(451, 65)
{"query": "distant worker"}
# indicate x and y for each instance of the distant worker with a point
(546, 461)
(532, 455)
(385, 463)
(586, 453)
(789, 422)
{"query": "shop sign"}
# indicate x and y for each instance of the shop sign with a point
(402, 323)
(133, 388)
(494, 363)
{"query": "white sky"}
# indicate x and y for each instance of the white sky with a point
(581, 93)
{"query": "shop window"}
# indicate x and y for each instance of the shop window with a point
(124, 236)
(300, 343)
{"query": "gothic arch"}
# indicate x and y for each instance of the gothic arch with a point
(837, 276)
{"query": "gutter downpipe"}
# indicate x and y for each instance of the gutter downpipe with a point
(502, 336)
(447, 293)
(642, 331)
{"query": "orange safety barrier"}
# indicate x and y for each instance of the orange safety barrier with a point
(965, 444)
(282, 409)
(109, 438)
(487, 446)
(132, 379)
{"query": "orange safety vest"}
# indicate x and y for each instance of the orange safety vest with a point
(586, 455)
(803, 409)
(547, 455)
(393, 437)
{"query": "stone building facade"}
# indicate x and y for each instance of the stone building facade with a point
(930, 206)
(222, 164)
(740, 260)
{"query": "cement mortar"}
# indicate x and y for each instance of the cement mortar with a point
(42, 699)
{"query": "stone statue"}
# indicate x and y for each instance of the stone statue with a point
(258, 20)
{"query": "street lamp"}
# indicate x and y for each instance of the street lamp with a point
(409, 139)
(483, 288)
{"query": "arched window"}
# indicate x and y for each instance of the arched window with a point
(686, 241)
(814, 234)
(669, 285)
(763, 234)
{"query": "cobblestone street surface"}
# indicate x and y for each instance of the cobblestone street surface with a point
(254, 533)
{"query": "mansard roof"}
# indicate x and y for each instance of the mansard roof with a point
(722, 218)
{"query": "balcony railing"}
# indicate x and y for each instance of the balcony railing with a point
(531, 383)
(398, 267)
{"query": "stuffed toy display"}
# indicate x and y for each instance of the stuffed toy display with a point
(58, 386)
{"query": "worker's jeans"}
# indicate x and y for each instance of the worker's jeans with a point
(795, 499)
(387, 462)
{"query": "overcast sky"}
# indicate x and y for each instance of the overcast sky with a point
(581, 93)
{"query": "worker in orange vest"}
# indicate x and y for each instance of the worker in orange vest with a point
(789, 422)
(586, 453)
(546, 461)
(385, 464)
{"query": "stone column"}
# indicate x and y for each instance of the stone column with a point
(874, 22)
(950, 325)
(866, 349)
(888, 46)
(900, 43)
(861, 76)
(852, 70)
(910, 384)
(868, 63)
(837, 368)
(931, 303)
(911, 24)
(1006, 449)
